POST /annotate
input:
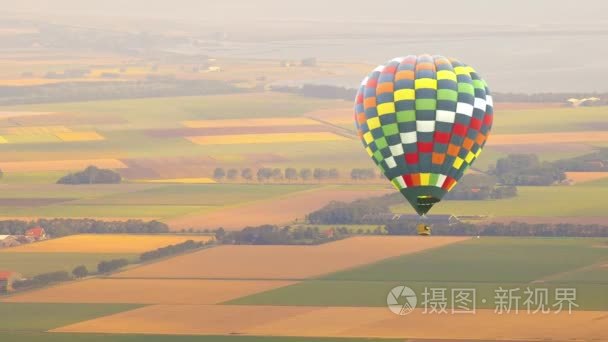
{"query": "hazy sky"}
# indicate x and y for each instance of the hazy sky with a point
(518, 45)
(232, 11)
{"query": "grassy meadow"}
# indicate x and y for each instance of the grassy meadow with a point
(30, 264)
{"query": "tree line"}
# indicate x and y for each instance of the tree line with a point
(593, 162)
(104, 266)
(276, 235)
(67, 226)
(503, 229)
(267, 174)
(172, 250)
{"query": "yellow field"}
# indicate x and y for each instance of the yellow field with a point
(79, 136)
(13, 114)
(347, 322)
(147, 291)
(263, 122)
(295, 262)
(180, 180)
(35, 130)
(104, 243)
(3, 140)
(30, 138)
(60, 165)
(264, 138)
(582, 177)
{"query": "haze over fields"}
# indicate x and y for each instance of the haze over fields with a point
(532, 46)
(191, 171)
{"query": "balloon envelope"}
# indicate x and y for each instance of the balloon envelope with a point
(423, 120)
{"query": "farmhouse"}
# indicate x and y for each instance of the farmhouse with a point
(6, 280)
(36, 233)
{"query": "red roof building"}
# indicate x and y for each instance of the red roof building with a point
(37, 233)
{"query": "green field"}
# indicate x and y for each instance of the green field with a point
(485, 265)
(26, 317)
(549, 120)
(30, 264)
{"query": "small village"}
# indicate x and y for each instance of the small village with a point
(8, 277)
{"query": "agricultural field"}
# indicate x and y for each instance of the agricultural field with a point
(31, 264)
(148, 291)
(296, 262)
(342, 322)
(484, 264)
(221, 291)
(177, 142)
(104, 243)
(294, 207)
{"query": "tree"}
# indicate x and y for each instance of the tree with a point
(112, 265)
(305, 174)
(80, 271)
(333, 174)
(277, 174)
(232, 174)
(264, 174)
(320, 174)
(91, 175)
(291, 173)
(247, 174)
(219, 173)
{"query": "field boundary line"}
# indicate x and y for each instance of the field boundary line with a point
(464, 239)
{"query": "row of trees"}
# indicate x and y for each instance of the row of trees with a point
(62, 227)
(275, 235)
(593, 162)
(266, 174)
(503, 229)
(91, 175)
(105, 266)
(172, 250)
(276, 174)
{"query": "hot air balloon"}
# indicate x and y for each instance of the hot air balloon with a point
(423, 120)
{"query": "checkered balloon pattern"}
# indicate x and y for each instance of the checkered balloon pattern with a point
(423, 120)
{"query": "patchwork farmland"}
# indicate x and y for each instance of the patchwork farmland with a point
(342, 296)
